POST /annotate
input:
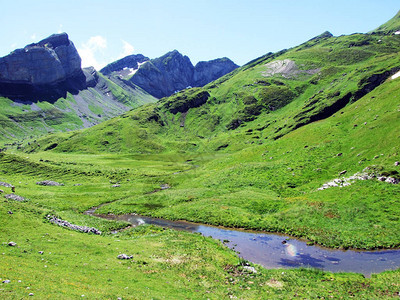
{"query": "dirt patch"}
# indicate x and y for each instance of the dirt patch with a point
(274, 283)
(287, 68)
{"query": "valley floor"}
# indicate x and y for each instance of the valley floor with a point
(49, 261)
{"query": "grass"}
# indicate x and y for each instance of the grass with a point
(165, 263)
(248, 151)
(268, 186)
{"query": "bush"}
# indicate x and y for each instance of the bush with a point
(275, 97)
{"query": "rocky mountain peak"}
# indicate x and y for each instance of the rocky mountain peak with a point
(207, 71)
(131, 61)
(171, 72)
(47, 69)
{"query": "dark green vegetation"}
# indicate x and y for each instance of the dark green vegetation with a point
(248, 150)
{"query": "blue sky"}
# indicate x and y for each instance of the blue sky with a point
(105, 30)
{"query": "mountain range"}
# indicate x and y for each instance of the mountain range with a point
(44, 88)
(170, 73)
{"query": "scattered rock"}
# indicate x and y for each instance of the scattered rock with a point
(392, 180)
(6, 281)
(12, 244)
(10, 212)
(49, 183)
(1, 191)
(78, 184)
(85, 229)
(397, 163)
(115, 185)
(40, 252)
(337, 182)
(343, 172)
(30, 294)
(250, 269)
(14, 197)
(339, 154)
(5, 184)
(124, 256)
(165, 186)
(376, 156)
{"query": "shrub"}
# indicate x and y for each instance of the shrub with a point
(275, 97)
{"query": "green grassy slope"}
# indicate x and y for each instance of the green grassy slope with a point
(267, 136)
(21, 120)
(329, 73)
(390, 26)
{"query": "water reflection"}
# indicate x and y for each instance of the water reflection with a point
(277, 251)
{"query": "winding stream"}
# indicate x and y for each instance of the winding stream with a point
(280, 251)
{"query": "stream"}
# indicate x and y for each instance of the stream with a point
(279, 251)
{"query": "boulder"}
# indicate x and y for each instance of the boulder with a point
(124, 256)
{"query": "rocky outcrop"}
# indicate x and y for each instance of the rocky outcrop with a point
(91, 75)
(169, 73)
(42, 71)
(182, 102)
(207, 71)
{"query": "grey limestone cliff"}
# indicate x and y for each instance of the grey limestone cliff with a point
(48, 69)
(169, 73)
(207, 71)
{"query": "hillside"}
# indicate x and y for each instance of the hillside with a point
(43, 89)
(269, 97)
(288, 123)
(390, 27)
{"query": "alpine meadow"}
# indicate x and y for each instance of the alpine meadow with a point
(302, 143)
